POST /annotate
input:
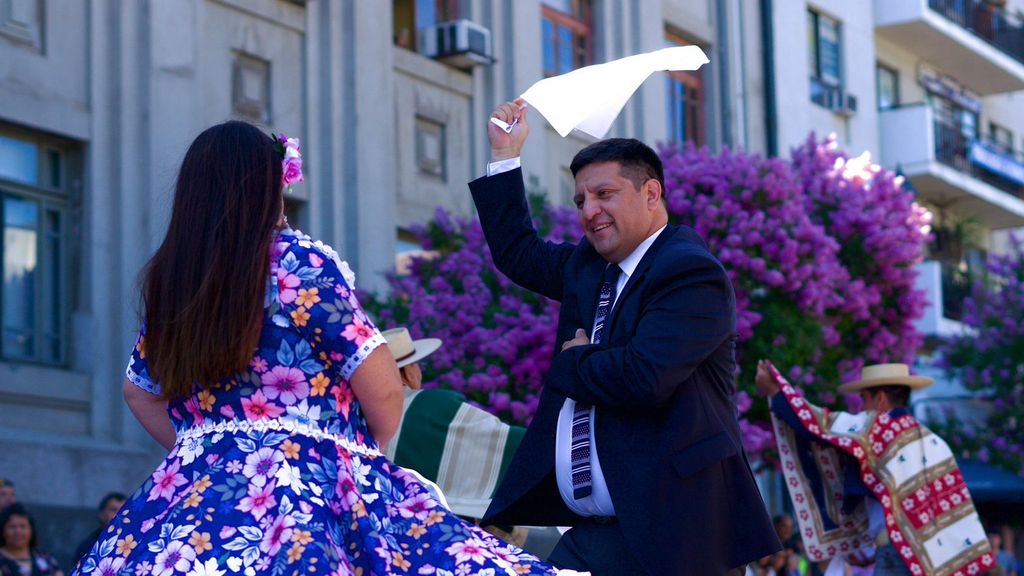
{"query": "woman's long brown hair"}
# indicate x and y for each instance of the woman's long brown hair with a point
(203, 290)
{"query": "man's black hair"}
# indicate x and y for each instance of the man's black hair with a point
(899, 396)
(637, 161)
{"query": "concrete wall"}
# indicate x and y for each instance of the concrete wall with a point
(798, 116)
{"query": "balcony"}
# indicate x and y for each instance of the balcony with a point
(978, 43)
(951, 171)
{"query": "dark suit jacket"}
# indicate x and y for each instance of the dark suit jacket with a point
(663, 384)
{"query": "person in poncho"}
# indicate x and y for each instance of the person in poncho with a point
(878, 479)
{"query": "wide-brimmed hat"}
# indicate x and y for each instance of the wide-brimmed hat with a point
(405, 349)
(886, 375)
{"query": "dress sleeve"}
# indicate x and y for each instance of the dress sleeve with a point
(315, 291)
(138, 368)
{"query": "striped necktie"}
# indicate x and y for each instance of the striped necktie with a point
(579, 451)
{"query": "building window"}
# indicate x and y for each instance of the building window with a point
(1001, 137)
(823, 37)
(430, 147)
(411, 17)
(685, 101)
(250, 88)
(22, 21)
(35, 204)
(888, 84)
(566, 35)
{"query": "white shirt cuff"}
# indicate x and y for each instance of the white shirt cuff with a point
(506, 165)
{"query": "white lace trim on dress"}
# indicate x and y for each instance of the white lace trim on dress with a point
(141, 381)
(357, 358)
(310, 429)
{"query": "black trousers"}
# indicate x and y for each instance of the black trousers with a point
(600, 548)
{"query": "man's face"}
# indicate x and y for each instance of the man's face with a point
(110, 510)
(616, 217)
(7, 496)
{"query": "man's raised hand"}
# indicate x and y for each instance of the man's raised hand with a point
(507, 144)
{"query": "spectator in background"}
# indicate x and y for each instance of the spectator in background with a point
(7, 495)
(436, 422)
(1004, 559)
(19, 554)
(109, 506)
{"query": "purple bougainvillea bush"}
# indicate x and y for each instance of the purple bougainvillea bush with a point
(821, 250)
(990, 360)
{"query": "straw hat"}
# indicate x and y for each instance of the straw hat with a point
(406, 350)
(886, 375)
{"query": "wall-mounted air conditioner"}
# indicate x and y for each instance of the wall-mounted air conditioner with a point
(460, 43)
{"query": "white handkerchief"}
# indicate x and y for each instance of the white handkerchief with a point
(589, 99)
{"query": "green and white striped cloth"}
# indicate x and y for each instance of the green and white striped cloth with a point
(464, 449)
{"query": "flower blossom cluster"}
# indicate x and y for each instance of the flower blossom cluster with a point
(291, 166)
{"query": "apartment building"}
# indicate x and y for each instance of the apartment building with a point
(100, 100)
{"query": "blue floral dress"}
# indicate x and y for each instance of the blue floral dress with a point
(275, 471)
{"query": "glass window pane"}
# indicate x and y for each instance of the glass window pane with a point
(53, 299)
(565, 60)
(887, 96)
(54, 168)
(548, 36)
(828, 38)
(20, 260)
(19, 161)
(426, 13)
(676, 110)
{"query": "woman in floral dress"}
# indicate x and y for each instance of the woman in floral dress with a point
(274, 464)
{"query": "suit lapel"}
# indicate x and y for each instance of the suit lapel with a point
(638, 274)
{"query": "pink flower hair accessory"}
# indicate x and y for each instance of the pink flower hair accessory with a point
(291, 166)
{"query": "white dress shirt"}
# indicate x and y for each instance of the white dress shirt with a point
(599, 503)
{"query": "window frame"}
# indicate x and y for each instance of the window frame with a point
(694, 99)
(821, 86)
(406, 18)
(580, 26)
(995, 128)
(53, 192)
(881, 69)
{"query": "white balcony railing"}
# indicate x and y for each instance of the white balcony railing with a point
(973, 40)
(950, 169)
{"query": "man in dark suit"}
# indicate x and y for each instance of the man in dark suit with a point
(635, 442)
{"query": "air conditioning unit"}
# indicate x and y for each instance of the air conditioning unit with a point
(846, 104)
(841, 103)
(460, 43)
